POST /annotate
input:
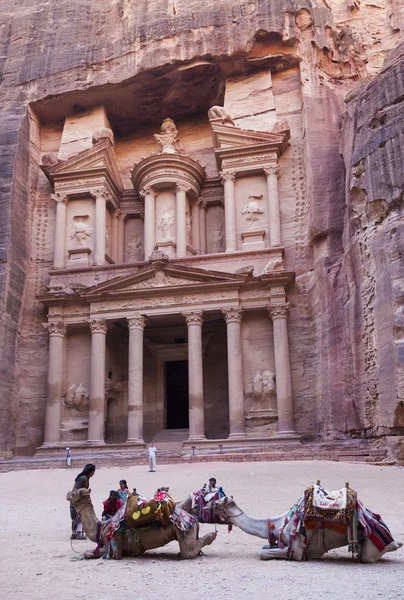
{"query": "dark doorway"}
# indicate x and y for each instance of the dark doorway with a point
(177, 394)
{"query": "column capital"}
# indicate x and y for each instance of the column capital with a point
(182, 187)
(203, 203)
(279, 311)
(98, 326)
(101, 192)
(58, 328)
(273, 170)
(233, 315)
(136, 322)
(147, 190)
(58, 197)
(227, 176)
(116, 214)
(193, 317)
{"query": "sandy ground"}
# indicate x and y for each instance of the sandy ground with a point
(37, 560)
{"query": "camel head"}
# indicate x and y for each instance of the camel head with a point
(79, 498)
(222, 506)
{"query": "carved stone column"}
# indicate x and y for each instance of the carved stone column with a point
(96, 416)
(195, 375)
(59, 254)
(100, 196)
(115, 235)
(273, 173)
(121, 237)
(136, 326)
(196, 234)
(57, 332)
(202, 225)
(228, 178)
(233, 318)
(149, 220)
(278, 314)
(181, 219)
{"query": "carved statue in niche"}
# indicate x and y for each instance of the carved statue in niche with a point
(264, 385)
(219, 112)
(252, 210)
(168, 138)
(134, 250)
(80, 232)
(77, 397)
(188, 227)
(216, 232)
(166, 225)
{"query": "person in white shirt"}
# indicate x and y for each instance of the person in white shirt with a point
(68, 458)
(152, 458)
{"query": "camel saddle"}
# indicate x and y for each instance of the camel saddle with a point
(157, 509)
(329, 506)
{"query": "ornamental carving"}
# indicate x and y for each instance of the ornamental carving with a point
(227, 176)
(233, 315)
(77, 397)
(158, 256)
(59, 197)
(101, 193)
(194, 317)
(220, 113)
(147, 190)
(168, 138)
(137, 322)
(246, 160)
(279, 311)
(273, 170)
(98, 326)
(81, 231)
(183, 187)
(166, 225)
(252, 210)
(58, 328)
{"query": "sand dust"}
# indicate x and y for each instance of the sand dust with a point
(37, 561)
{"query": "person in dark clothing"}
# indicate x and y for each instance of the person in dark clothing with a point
(82, 481)
(111, 505)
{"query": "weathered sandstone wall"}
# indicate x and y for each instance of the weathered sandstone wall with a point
(298, 60)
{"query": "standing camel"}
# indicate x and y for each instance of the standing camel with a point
(136, 543)
(274, 528)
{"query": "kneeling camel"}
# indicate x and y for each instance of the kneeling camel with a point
(143, 540)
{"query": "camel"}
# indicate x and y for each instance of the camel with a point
(187, 505)
(143, 540)
(318, 541)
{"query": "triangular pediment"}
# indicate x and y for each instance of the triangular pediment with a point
(230, 136)
(160, 277)
(100, 157)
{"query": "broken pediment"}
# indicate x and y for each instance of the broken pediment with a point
(244, 148)
(160, 278)
(98, 160)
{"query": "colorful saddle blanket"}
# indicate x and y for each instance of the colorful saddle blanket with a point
(140, 513)
(204, 504)
(336, 507)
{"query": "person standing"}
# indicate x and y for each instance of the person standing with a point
(68, 458)
(82, 481)
(152, 458)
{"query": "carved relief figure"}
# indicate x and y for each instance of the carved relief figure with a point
(216, 235)
(168, 138)
(77, 397)
(134, 250)
(252, 210)
(166, 225)
(188, 227)
(264, 385)
(80, 232)
(219, 112)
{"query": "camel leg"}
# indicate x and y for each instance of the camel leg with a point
(268, 553)
(191, 545)
(93, 554)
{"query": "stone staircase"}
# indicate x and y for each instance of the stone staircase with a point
(172, 451)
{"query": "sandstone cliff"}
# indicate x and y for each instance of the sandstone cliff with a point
(345, 235)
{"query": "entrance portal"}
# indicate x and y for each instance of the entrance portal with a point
(177, 394)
